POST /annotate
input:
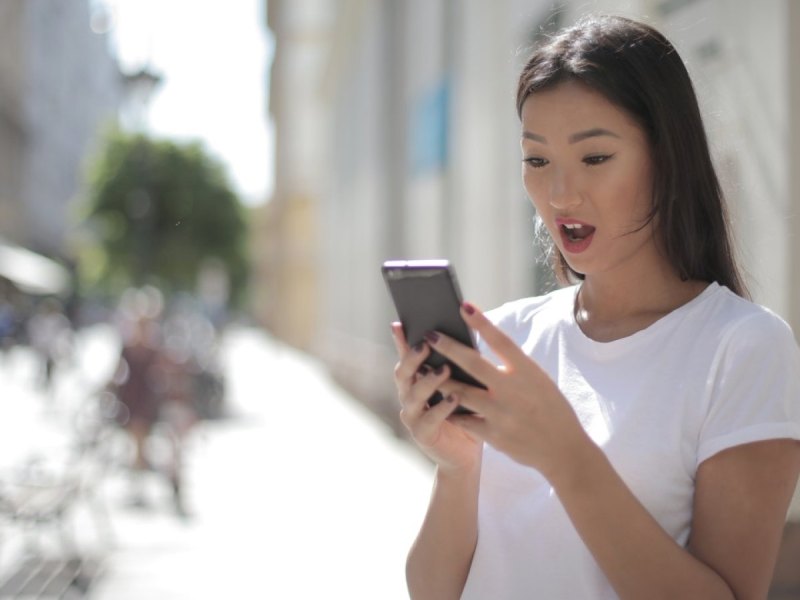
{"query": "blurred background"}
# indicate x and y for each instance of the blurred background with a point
(195, 199)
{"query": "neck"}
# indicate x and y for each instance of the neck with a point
(611, 306)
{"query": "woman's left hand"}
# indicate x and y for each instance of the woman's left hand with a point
(522, 413)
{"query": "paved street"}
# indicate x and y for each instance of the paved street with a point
(301, 493)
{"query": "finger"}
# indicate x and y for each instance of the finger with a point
(472, 424)
(465, 357)
(415, 402)
(399, 338)
(430, 422)
(409, 366)
(453, 386)
(474, 398)
(502, 345)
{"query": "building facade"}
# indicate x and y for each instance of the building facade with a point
(59, 82)
(286, 248)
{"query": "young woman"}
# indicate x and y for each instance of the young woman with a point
(638, 437)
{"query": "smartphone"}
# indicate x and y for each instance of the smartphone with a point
(427, 298)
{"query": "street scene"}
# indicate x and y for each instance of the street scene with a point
(295, 492)
(197, 395)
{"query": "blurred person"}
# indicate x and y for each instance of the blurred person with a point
(179, 412)
(638, 437)
(50, 336)
(191, 338)
(153, 383)
(138, 387)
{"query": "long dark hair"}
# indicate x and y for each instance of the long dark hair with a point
(639, 70)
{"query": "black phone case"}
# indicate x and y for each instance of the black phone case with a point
(426, 296)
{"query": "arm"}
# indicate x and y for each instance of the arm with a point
(741, 496)
(741, 499)
(440, 558)
(740, 503)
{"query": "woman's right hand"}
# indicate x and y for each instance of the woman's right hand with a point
(449, 446)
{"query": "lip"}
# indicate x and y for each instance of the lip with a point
(570, 221)
(573, 246)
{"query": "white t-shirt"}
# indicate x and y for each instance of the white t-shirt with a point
(715, 373)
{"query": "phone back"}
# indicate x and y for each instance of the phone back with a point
(427, 298)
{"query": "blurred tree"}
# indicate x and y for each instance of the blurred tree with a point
(161, 212)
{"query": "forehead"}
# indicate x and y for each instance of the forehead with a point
(574, 106)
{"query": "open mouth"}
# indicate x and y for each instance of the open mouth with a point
(575, 237)
(575, 232)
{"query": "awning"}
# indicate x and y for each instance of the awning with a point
(32, 273)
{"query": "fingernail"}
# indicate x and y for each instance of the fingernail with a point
(451, 398)
(468, 308)
(424, 370)
(432, 337)
(438, 370)
(418, 347)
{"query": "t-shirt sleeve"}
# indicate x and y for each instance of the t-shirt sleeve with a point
(754, 387)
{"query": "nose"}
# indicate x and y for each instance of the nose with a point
(564, 192)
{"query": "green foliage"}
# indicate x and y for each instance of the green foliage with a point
(159, 211)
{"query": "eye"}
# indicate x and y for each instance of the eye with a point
(597, 159)
(535, 162)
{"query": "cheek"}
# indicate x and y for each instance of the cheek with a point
(639, 192)
(640, 183)
(533, 184)
(538, 198)
(627, 192)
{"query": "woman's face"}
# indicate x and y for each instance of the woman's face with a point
(587, 169)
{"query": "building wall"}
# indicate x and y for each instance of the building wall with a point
(12, 126)
(63, 83)
(363, 204)
(286, 297)
(791, 72)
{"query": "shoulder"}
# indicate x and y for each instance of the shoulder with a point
(746, 361)
(754, 380)
(742, 326)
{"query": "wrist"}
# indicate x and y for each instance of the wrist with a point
(459, 473)
(577, 465)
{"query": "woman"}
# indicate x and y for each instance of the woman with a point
(641, 426)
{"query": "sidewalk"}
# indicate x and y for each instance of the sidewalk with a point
(301, 493)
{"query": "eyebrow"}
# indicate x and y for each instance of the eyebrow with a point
(575, 137)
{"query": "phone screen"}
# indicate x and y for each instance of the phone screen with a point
(427, 298)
